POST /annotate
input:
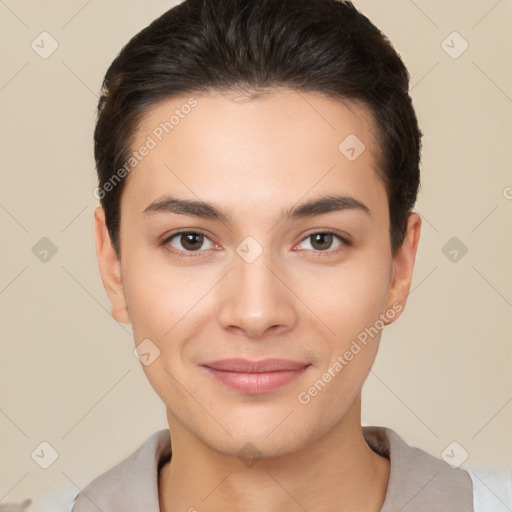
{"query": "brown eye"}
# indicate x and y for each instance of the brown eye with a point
(322, 241)
(186, 241)
(191, 241)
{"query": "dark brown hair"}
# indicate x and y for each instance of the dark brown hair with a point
(323, 46)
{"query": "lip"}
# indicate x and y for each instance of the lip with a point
(255, 376)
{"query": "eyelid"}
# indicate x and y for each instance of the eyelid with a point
(344, 237)
(167, 238)
(345, 241)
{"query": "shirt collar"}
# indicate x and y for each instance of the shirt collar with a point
(133, 483)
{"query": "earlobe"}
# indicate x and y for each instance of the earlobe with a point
(110, 268)
(403, 266)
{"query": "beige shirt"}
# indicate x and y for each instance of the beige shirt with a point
(418, 482)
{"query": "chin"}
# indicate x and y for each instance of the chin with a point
(254, 447)
(261, 438)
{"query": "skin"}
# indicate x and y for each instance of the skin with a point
(295, 301)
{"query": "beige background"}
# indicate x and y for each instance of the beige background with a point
(68, 374)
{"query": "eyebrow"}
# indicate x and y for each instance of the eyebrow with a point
(202, 209)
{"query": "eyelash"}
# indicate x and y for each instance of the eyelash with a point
(191, 254)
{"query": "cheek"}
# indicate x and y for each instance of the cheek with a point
(349, 298)
(350, 303)
(160, 296)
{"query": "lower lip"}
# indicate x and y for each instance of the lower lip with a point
(256, 382)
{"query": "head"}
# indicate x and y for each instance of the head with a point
(258, 165)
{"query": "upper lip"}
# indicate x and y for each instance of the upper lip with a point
(248, 366)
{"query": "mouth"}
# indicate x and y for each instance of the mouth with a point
(255, 377)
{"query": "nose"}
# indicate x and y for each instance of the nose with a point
(256, 299)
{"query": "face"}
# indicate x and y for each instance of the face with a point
(289, 259)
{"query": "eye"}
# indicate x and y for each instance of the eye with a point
(185, 242)
(321, 241)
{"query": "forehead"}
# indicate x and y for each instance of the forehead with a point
(276, 148)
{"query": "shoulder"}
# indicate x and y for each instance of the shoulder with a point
(419, 481)
(130, 484)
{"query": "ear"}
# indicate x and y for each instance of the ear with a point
(403, 266)
(110, 268)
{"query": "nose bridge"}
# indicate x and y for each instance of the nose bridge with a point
(257, 299)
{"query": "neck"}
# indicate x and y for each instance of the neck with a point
(336, 472)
